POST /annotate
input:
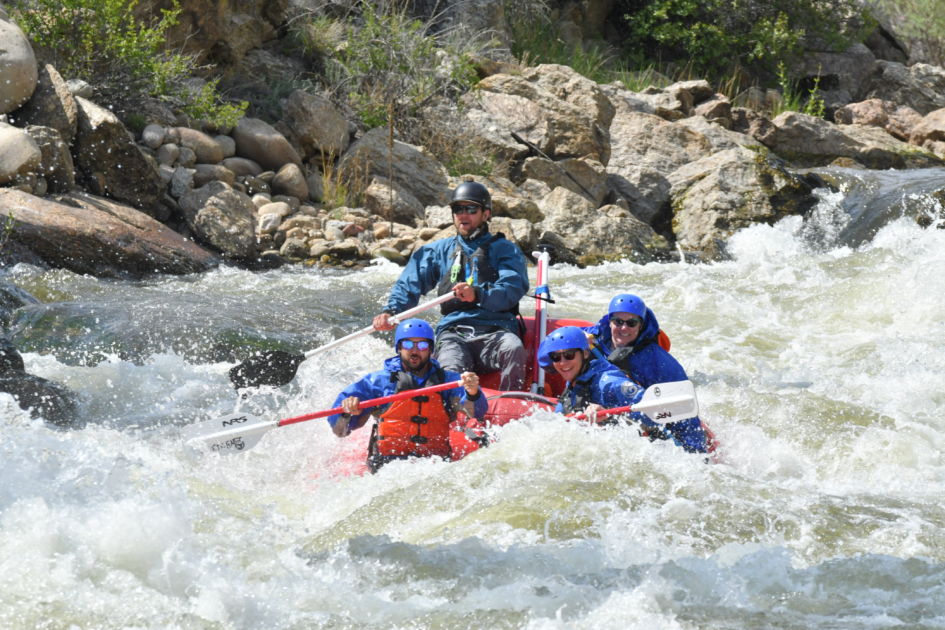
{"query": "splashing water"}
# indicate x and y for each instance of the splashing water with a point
(819, 362)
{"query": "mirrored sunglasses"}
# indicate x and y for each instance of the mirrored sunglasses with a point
(471, 209)
(629, 323)
(567, 355)
(421, 345)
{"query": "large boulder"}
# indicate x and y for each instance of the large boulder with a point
(415, 170)
(52, 105)
(645, 150)
(569, 86)
(56, 165)
(290, 181)
(808, 141)
(18, 70)
(586, 177)
(96, 236)
(754, 125)
(319, 126)
(406, 208)
(103, 149)
(223, 218)
(610, 233)
(719, 194)
(258, 141)
(557, 127)
(522, 233)
(921, 87)
(849, 70)
(929, 129)
(43, 398)
(19, 153)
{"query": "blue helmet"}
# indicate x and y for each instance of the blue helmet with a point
(413, 328)
(566, 338)
(627, 303)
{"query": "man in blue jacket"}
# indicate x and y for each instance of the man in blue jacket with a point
(628, 337)
(479, 330)
(595, 384)
(419, 426)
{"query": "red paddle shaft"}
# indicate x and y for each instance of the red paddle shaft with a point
(605, 412)
(365, 404)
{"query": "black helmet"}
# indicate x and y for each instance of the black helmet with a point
(474, 192)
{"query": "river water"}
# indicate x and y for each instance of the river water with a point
(818, 353)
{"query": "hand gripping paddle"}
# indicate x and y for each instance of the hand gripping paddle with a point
(277, 368)
(662, 403)
(241, 431)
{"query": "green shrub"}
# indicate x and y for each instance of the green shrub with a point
(536, 40)
(100, 42)
(922, 22)
(793, 98)
(714, 35)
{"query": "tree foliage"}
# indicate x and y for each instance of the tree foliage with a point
(714, 35)
(922, 22)
(100, 42)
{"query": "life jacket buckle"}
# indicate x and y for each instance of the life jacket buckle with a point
(419, 419)
(418, 439)
(421, 399)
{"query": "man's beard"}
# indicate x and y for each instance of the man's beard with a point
(420, 369)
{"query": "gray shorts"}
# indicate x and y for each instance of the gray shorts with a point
(483, 349)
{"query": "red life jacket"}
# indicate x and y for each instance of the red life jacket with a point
(418, 426)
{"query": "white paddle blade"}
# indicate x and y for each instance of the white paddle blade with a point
(669, 402)
(230, 434)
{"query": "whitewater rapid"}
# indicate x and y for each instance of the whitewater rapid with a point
(818, 354)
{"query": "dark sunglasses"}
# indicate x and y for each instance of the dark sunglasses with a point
(629, 323)
(421, 345)
(567, 355)
(471, 210)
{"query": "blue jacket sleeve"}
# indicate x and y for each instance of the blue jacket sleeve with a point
(422, 273)
(371, 386)
(512, 284)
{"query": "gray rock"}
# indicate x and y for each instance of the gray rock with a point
(207, 173)
(719, 194)
(52, 105)
(226, 143)
(103, 145)
(415, 170)
(56, 166)
(522, 233)
(316, 186)
(268, 223)
(405, 209)
(277, 207)
(186, 157)
(242, 167)
(290, 181)
(12, 298)
(807, 141)
(100, 237)
(206, 149)
(755, 125)
(256, 140)
(294, 248)
(152, 136)
(319, 126)
(168, 154)
(223, 218)
(921, 87)
(18, 70)
(78, 87)
(590, 176)
(182, 182)
(19, 153)
(849, 70)
(438, 216)
(346, 249)
(389, 253)
(610, 233)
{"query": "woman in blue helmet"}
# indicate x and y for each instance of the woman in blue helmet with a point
(417, 427)
(595, 384)
(628, 336)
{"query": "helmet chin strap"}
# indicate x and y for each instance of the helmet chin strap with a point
(479, 231)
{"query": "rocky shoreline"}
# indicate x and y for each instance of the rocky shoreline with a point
(598, 171)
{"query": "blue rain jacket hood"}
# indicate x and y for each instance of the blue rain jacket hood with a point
(649, 364)
(378, 384)
(431, 262)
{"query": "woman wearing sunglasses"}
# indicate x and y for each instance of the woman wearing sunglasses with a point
(595, 384)
(420, 426)
(628, 336)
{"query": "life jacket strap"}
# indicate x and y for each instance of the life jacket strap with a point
(418, 439)
(419, 419)
(421, 399)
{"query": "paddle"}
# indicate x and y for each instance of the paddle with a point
(664, 402)
(278, 368)
(241, 431)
